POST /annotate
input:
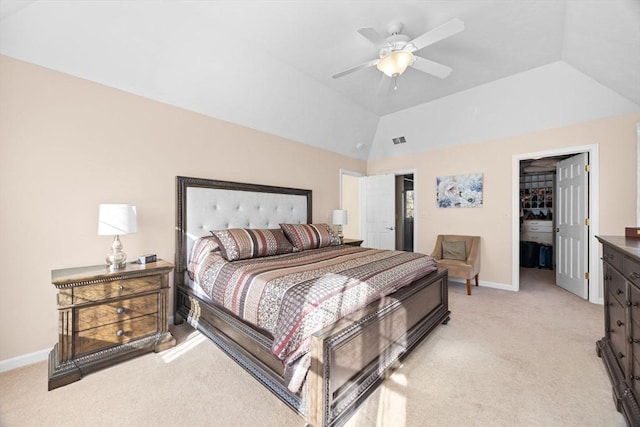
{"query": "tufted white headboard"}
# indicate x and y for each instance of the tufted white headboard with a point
(204, 205)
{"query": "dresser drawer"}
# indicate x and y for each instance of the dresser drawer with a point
(616, 285)
(631, 270)
(106, 336)
(103, 314)
(116, 288)
(617, 330)
(612, 256)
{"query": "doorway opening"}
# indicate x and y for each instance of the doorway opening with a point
(542, 212)
(391, 200)
(405, 208)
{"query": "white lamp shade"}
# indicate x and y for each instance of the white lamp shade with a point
(117, 219)
(340, 217)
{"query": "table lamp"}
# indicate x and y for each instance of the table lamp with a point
(339, 219)
(114, 220)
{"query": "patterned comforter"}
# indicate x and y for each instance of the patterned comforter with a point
(294, 295)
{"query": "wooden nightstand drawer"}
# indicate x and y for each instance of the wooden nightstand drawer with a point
(103, 314)
(114, 289)
(115, 333)
(107, 316)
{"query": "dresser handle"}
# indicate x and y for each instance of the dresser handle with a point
(606, 277)
(633, 275)
(120, 310)
(619, 323)
(634, 340)
(607, 256)
(620, 355)
(618, 291)
(121, 288)
(633, 378)
(120, 333)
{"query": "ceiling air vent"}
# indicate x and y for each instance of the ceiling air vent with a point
(399, 140)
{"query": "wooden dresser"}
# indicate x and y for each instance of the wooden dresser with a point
(620, 346)
(107, 317)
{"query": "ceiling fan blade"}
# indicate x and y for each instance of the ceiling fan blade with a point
(373, 36)
(356, 68)
(442, 32)
(430, 67)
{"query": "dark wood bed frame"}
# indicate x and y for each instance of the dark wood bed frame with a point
(381, 334)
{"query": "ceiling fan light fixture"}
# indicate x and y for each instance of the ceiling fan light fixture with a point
(395, 63)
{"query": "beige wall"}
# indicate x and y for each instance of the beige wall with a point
(616, 139)
(67, 145)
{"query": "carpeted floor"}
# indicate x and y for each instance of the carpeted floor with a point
(504, 359)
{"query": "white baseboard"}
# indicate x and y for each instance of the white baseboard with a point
(35, 357)
(24, 360)
(483, 283)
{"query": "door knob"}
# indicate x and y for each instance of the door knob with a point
(389, 228)
(557, 229)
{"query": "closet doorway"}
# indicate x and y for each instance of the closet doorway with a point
(588, 250)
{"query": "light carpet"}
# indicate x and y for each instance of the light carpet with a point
(505, 359)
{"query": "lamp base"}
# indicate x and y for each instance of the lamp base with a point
(117, 259)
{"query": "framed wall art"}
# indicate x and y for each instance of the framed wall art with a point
(459, 191)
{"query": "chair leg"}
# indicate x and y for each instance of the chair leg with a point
(468, 287)
(477, 279)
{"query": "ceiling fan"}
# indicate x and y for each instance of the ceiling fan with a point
(397, 50)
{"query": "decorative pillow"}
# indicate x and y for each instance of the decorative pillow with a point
(454, 250)
(245, 243)
(310, 236)
(202, 247)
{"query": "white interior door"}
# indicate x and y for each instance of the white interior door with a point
(572, 231)
(378, 213)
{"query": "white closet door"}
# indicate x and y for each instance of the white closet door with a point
(572, 210)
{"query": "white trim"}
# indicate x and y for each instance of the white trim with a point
(483, 283)
(24, 360)
(594, 214)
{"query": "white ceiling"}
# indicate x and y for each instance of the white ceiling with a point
(268, 64)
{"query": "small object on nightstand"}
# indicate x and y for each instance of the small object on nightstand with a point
(105, 317)
(146, 259)
(352, 242)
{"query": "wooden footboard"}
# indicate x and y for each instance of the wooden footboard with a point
(349, 359)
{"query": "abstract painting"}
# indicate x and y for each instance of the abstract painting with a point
(459, 191)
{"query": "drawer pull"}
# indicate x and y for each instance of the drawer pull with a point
(120, 310)
(607, 256)
(120, 333)
(619, 323)
(633, 377)
(618, 291)
(607, 277)
(620, 355)
(633, 275)
(634, 340)
(121, 288)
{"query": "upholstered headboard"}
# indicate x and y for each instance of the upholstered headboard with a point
(204, 205)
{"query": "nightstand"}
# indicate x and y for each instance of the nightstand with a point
(352, 242)
(106, 317)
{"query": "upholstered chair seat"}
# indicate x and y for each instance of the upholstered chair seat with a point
(460, 255)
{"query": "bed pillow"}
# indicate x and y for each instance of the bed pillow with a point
(245, 243)
(310, 236)
(454, 250)
(202, 247)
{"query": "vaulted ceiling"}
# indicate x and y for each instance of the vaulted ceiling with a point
(268, 65)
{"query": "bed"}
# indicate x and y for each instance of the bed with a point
(344, 360)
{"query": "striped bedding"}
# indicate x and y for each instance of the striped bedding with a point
(293, 295)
